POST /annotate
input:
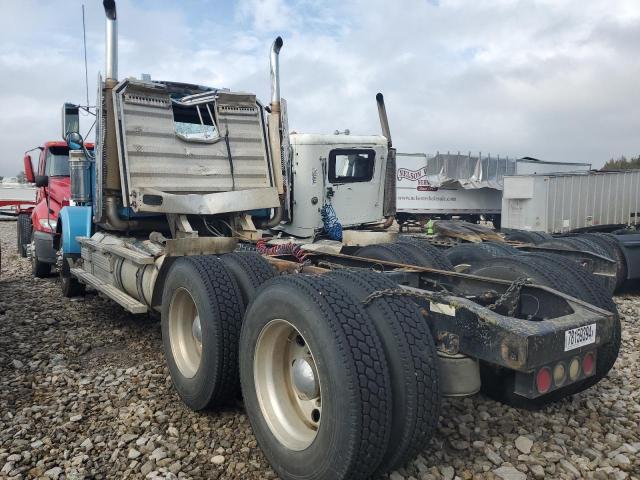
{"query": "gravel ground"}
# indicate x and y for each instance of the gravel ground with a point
(84, 393)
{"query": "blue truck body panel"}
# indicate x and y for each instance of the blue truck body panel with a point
(76, 222)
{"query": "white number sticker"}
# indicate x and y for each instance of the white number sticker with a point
(578, 337)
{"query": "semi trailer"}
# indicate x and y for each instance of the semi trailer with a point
(194, 207)
(468, 187)
(566, 202)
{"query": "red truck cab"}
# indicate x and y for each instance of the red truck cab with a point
(53, 192)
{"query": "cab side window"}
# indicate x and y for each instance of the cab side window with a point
(350, 166)
(41, 163)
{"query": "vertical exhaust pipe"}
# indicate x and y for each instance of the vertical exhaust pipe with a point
(275, 140)
(111, 40)
(384, 120)
(275, 72)
(110, 163)
(274, 118)
(389, 201)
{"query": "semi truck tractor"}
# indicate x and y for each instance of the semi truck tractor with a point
(36, 226)
(187, 209)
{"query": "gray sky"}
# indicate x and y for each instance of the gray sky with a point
(553, 79)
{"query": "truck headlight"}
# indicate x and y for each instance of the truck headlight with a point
(49, 224)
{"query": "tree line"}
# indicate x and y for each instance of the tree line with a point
(622, 163)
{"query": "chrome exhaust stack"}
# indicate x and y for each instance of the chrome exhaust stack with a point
(384, 120)
(389, 202)
(111, 40)
(275, 73)
(109, 151)
(275, 132)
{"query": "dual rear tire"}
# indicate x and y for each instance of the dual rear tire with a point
(371, 376)
(334, 388)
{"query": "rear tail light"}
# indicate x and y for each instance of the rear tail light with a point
(559, 374)
(574, 369)
(588, 364)
(543, 380)
(556, 375)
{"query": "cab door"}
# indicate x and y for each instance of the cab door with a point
(354, 189)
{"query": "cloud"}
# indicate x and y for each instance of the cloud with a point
(555, 80)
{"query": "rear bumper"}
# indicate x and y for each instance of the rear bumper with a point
(518, 344)
(44, 245)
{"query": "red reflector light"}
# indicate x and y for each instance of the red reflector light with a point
(588, 364)
(543, 380)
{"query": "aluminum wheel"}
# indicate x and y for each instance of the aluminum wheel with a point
(185, 333)
(287, 385)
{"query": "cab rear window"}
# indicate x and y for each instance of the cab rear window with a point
(351, 165)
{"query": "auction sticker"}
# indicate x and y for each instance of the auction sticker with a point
(578, 337)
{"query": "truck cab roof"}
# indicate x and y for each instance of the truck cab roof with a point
(332, 139)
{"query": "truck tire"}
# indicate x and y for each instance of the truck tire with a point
(568, 243)
(574, 267)
(250, 270)
(315, 380)
(435, 258)
(499, 383)
(71, 287)
(387, 252)
(201, 316)
(38, 269)
(587, 244)
(615, 252)
(413, 364)
(23, 226)
(526, 236)
(590, 245)
(470, 253)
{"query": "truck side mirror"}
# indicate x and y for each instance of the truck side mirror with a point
(28, 169)
(70, 119)
(42, 181)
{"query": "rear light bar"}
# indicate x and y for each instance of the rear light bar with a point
(556, 375)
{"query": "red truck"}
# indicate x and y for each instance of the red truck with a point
(38, 227)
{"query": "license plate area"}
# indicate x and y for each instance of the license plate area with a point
(579, 337)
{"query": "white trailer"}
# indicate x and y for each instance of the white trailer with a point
(563, 202)
(532, 166)
(465, 186)
(425, 189)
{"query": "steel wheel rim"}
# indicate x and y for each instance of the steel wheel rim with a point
(185, 333)
(288, 386)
